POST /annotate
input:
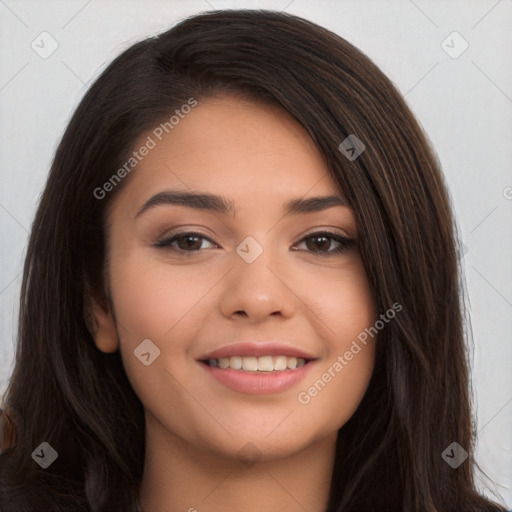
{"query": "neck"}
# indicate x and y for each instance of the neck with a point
(180, 477)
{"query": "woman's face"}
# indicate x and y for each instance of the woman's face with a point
(259, 284)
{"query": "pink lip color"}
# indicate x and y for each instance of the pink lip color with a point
(258, 383)
(257, 348)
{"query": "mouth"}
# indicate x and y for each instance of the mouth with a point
(266, 363)
(260, 368)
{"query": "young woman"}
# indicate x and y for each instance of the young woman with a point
(241, 290)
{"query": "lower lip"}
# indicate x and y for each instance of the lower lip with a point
(258, 383)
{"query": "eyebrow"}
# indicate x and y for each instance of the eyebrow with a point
(220, 204)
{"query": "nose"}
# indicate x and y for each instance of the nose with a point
(258, 290)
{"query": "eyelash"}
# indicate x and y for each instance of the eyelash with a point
(344, 243)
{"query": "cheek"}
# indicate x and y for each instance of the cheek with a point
(153, 299)
(345, 308)
(166, 305)
(334, 394)
(341, 300)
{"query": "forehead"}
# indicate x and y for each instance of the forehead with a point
(232, 147)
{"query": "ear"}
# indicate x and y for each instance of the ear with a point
(101, 324)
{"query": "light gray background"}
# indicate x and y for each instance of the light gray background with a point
(463, 103)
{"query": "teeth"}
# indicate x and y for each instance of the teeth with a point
(235, 362)
(265, 364)
(291, 363)
(250, 364)
(224, 362)
(280, 363)
(258, 364)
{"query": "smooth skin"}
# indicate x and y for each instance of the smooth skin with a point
(194, 301)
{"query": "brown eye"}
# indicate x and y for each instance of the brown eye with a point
(319, 243)
(189, 242)
(183, 242)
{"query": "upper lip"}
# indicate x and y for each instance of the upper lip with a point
(257, 348)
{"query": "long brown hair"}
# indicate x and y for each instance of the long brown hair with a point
(65, 392)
